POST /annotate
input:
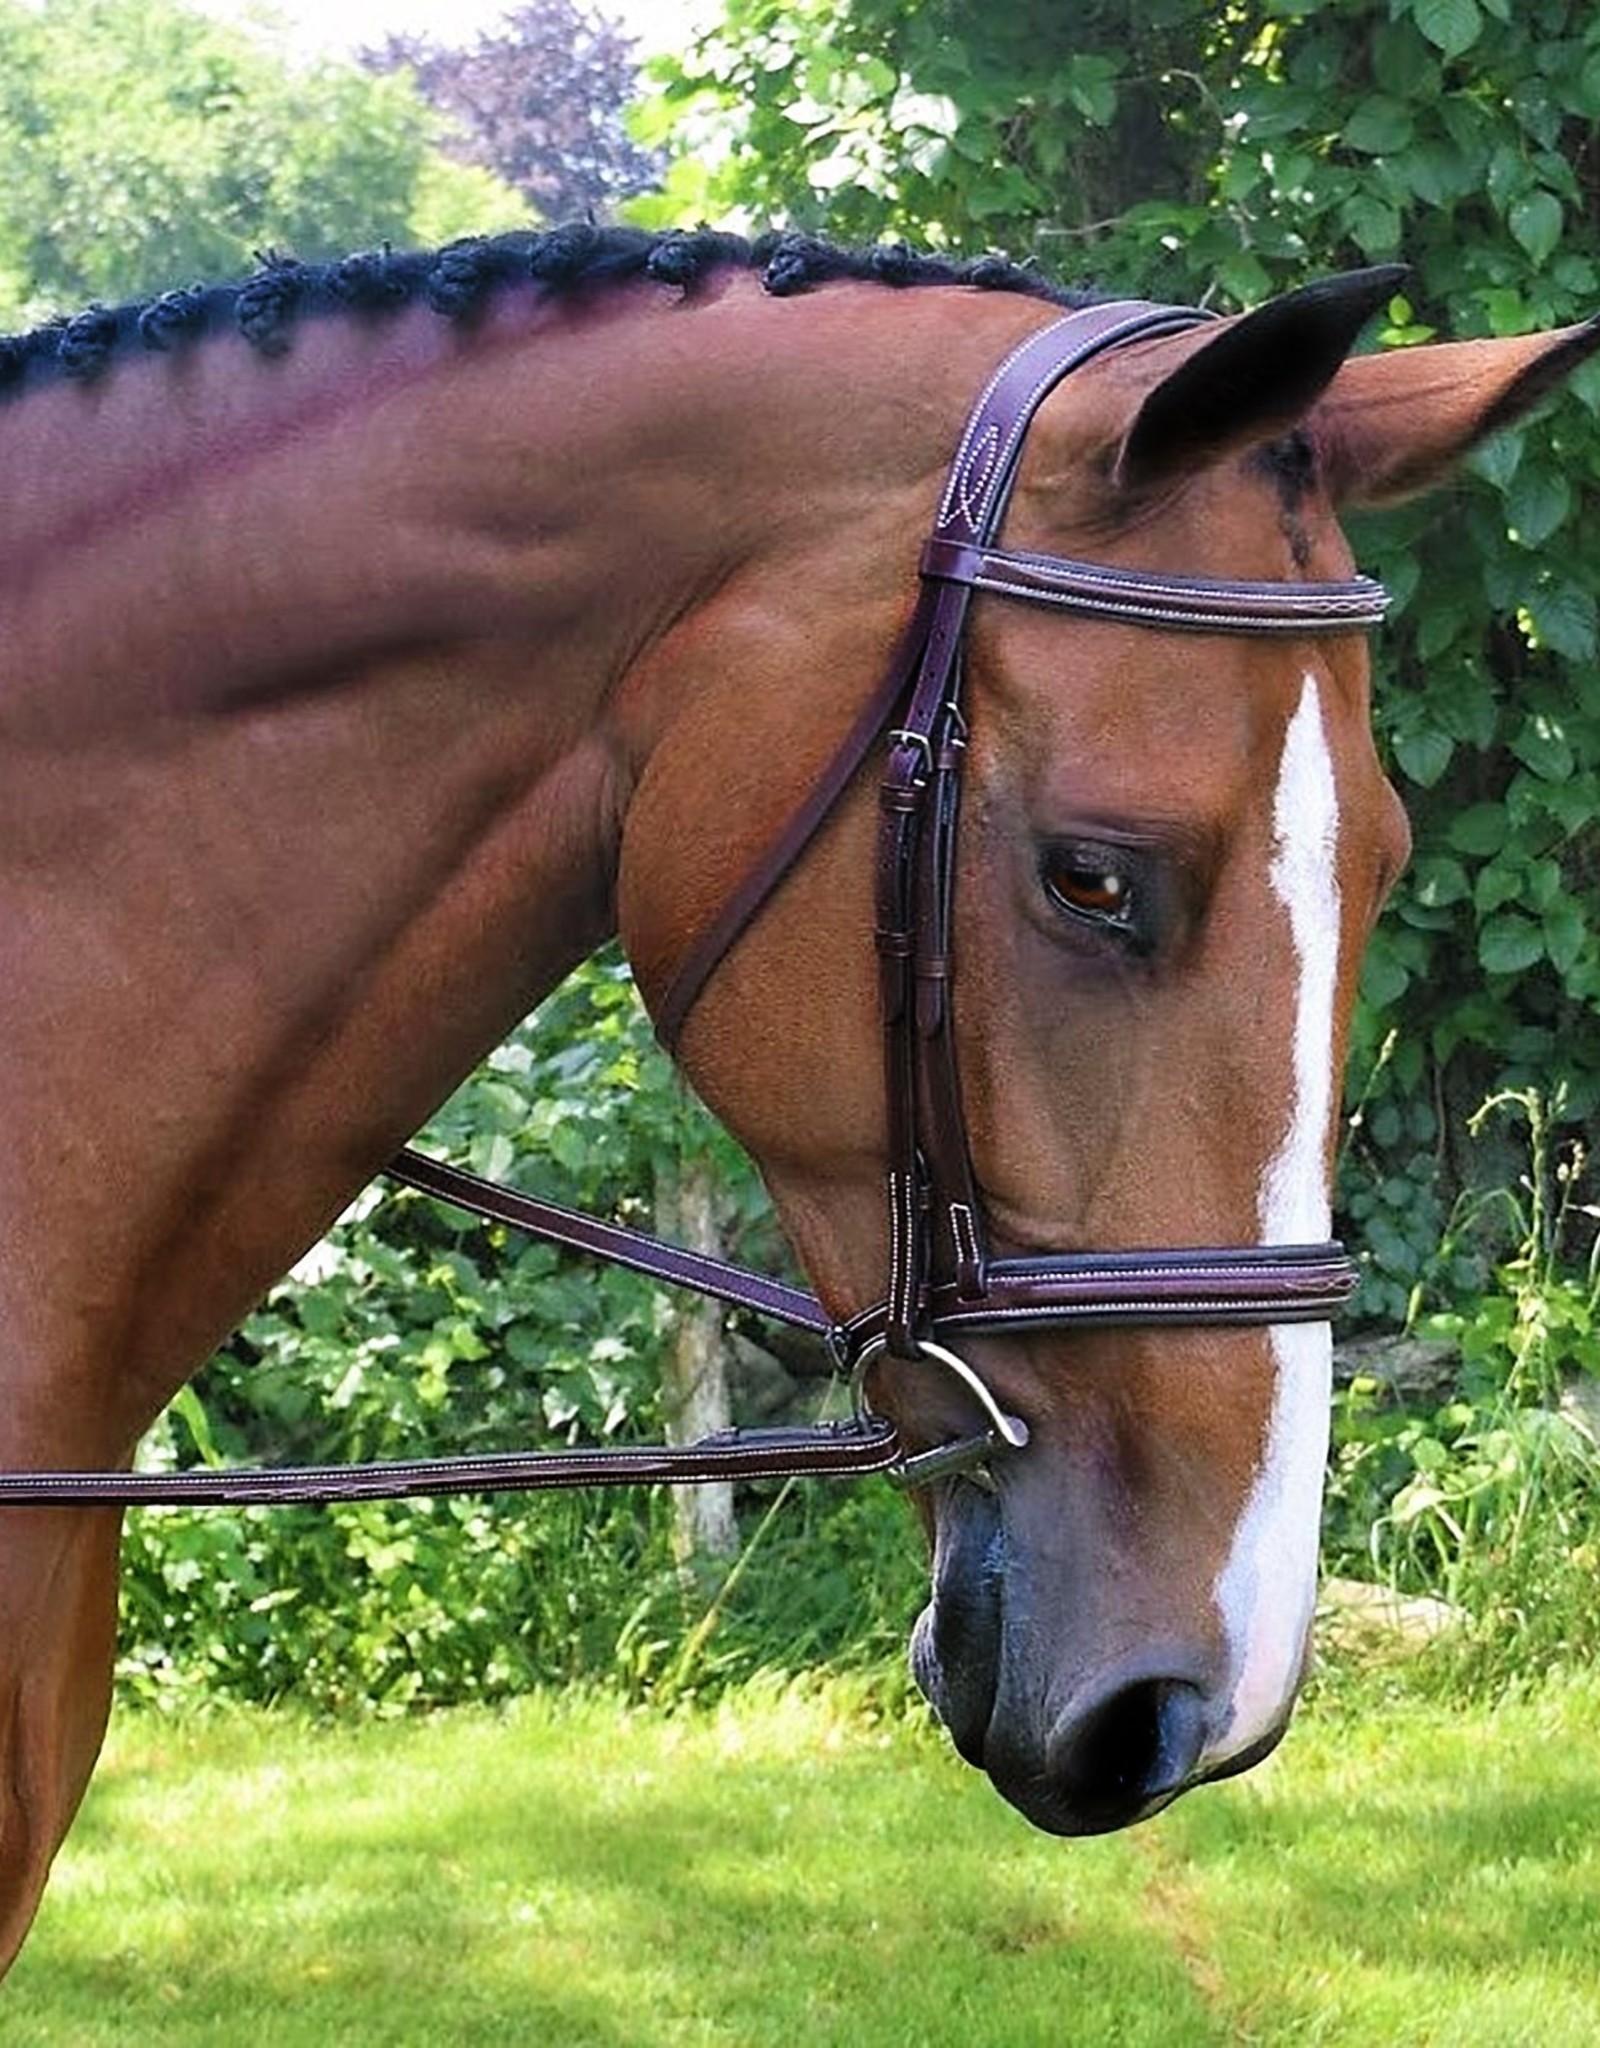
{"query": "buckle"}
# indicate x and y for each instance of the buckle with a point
(918, 1468)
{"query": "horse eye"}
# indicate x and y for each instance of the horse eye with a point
(1088, 889)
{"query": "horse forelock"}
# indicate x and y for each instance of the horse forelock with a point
(459, 280)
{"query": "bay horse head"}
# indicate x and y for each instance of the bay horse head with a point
(380, 638)
(1175, 836)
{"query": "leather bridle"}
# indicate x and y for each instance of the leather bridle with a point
(943, 1283)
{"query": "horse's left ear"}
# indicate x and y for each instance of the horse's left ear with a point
(1251, 378)
(1392, 424)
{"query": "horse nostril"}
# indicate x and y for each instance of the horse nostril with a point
(1137, 1747)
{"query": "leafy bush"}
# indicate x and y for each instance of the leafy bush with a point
(144, 144)
(1491, 1500)
(415, 1329)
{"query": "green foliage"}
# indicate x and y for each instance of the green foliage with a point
(144, 144)
(1492, 1499)
(961, 124)
(415, 1329)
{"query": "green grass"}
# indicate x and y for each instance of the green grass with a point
(787, 1870)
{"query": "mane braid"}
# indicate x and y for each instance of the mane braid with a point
(459, 280)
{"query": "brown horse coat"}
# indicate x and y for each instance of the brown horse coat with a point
(351, 692)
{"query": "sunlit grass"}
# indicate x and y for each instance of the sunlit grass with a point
(788, 1870)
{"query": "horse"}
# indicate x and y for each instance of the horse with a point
(383, 636)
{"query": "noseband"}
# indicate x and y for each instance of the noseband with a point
(943, 1282)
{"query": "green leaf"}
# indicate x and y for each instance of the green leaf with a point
(1535, 221)
(1384, 976)
(1510, 944)
(1380, 125)
(1566, 932)
(1480, 829)
(187, 1404)
(1498, 458)
(1584, 93)
(1542, 745)
(1374, 227)
(1438, 880)
(1537, 502)
(1450, 25)
(1424, 755)
(1499, 883)
(1563, 620)
(1090, 85)
(1403, 65)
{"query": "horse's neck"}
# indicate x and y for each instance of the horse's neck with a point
(322, 714)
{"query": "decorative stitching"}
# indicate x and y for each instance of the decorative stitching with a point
(1142, 318)
(964, 1229)
(1153, 611)
(976, 419)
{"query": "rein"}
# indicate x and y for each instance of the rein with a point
(943, 1282)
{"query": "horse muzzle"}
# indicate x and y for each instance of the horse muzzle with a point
(1084, 1721)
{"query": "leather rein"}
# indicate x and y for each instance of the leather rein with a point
(943, 1283)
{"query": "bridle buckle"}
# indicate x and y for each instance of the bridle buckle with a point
(1005, 1432)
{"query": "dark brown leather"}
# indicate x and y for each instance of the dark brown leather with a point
(1232, 1287)
(670, 1263)
(1144, 597)
(825, 1449)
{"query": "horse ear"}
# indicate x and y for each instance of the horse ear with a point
(1392, 424)
(1251, 379)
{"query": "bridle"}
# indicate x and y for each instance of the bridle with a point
(943, 1283)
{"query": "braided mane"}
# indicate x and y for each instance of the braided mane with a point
(458, 280)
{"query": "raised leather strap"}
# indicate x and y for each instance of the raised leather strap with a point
(673, 1264)
(1145, 597)
(745, 904)
(825, 1449)
(1233, 1287)
(986, 460)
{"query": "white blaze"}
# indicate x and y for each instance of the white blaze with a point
(1267, 1589)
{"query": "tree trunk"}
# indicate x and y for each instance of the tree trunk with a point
(695, 1395)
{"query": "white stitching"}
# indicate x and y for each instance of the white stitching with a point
(976, 420)
(963, 1227)
(1147, 607)
(1055, 372)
